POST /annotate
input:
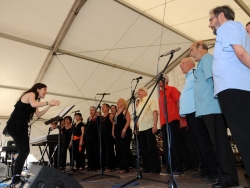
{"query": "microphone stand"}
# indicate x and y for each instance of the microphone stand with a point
(99, 127)
(170, 182)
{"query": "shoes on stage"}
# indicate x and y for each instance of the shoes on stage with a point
(164, 173)
(212, 178)
(224, 185)
(108, 170)
(155, 172)
(199, 175)
(123, 171)
(178, 173)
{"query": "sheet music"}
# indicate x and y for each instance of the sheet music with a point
(64, 111)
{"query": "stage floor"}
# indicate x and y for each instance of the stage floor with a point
(183, 181)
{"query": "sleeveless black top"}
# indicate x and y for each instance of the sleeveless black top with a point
(106, 127)
(91, 131)
(120, 123)
(19, 118)
(68, 133)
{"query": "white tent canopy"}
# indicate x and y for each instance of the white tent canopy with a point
(80, 48)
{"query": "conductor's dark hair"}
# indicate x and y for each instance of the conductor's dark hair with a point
(227, 10)
(34, 90)
(69, 118)
(247, 23)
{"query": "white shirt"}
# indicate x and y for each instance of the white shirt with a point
(146, 120)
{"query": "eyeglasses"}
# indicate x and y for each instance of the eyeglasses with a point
(211, 19)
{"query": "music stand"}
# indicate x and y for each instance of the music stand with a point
(58, 117)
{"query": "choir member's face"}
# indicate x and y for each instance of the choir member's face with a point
(119, 104)
(104, 109)
(92, 112)
(113, 110)
(78, 118)
(67, 121)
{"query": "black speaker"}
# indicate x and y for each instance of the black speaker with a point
(47, 177)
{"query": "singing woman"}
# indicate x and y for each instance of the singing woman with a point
(17, 125)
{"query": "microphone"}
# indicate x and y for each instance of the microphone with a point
(170, 52)
(75, 111)
(138, 78)
(103, 94)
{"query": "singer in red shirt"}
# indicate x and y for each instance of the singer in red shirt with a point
(170, 114)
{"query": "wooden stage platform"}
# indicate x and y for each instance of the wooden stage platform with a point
(183, 181)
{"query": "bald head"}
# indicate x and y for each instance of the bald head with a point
(187, 64)
(198, 49)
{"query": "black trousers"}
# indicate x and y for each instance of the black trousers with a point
(93, 154)
(217, 130)
(187, 151)
(235, 106)
(63, 159)
(76, 154)
(82, 157)
(202, 145)
(123, 149)
(151, 161)
(108, 154)
(22, 143)
(175, 145)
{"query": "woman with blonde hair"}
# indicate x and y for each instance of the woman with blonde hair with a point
(123, 135)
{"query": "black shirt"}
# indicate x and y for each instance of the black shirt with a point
(77, 129)
(68, 133)
(120, 123)
(91, 131)
(106, 127)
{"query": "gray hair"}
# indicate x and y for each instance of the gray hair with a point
(144, 89)
(92, 107)
(166, 77)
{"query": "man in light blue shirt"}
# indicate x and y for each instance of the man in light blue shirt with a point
(197, 130)
(207, 108)
(231, 73)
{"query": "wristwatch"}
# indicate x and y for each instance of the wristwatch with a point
(47, 103)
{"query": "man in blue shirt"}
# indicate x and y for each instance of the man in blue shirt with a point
(231, 74)
(208, 109)
(197, 130)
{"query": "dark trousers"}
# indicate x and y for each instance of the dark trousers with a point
(76, 154)
(175, 145)
(108, 154)
(93, 155)
(217, 130)
(151, 161)
(202, 144)
(63, 158)
(235, 106)
(187, 151)
(123, 149)
(82, 157)
(22, 143)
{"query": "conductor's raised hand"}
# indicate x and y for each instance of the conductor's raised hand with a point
(54, 102)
